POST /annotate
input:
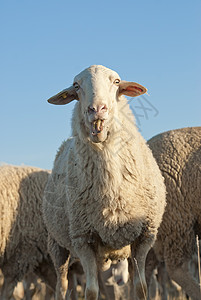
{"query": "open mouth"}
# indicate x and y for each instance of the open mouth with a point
(98, 131)
(97, 127)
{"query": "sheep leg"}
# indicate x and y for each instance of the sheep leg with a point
(60, 257)
(139, 251)
(131, 276)
(105, 290)
(88, 261)
(151, 264)
(46, 271)
(30, 279)
(162, 279)
(72, 284)
(7, 289)
(184, 278)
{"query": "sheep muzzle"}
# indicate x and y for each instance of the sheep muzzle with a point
(98, 131)
(97, 126)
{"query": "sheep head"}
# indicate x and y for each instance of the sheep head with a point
(98, 90)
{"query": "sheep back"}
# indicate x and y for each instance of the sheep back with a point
(23, 236)
(178, 154)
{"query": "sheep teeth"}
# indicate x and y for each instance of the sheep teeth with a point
(98, 125)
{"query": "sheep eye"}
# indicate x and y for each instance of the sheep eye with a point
(76, 86)
(117, 81)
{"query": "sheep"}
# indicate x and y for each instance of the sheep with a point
(115, 281)
(178, 154)
(23, 239)
(105, 197)
(112, 282)
(158, 279)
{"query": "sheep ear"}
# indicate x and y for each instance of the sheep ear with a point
(64, 97)
(131, 89)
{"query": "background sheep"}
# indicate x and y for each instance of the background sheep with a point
(115, 281)
(160, 285)
(105, 198)
(178, 153)
(23, 239)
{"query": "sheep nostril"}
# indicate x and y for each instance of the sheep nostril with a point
(98, 109)
(91, 109)
(102, 108)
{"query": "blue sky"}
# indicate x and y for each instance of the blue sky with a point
(44, 44)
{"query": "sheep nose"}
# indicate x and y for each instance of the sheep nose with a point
(101, 108)
(97, 109)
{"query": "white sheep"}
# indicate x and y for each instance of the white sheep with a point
(178, 153)
(115, 281)
(23, 236)
(105, 198)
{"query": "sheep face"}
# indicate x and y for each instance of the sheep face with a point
(98, 90)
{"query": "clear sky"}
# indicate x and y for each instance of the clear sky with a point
(45, 43)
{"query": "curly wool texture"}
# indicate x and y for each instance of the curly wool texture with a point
(23, 242)
(178, 154)
(113, 189)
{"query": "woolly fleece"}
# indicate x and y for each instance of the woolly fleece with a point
(23, 242)
(178, 154)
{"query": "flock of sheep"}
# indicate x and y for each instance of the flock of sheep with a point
(114, 208)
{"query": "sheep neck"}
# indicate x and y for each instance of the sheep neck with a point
(101, 166)
(105, 165)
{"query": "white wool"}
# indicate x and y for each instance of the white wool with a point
(178, 154)
(23, 240)
(110, 193)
